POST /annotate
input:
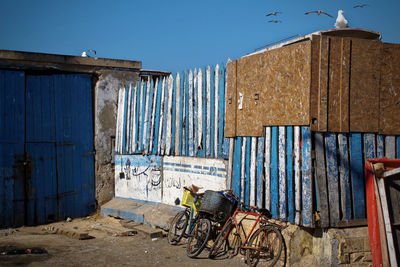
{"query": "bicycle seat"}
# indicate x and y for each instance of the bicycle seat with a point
(265, 212)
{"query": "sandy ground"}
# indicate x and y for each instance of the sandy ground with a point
(104, 249)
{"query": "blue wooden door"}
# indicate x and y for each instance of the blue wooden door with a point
(46, 153)
(12, 136)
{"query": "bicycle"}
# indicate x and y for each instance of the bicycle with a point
(264, 244)
(184, 220)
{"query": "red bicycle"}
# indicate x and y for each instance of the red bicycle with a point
(262, 245)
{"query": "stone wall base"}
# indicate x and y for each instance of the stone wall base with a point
(326, 247)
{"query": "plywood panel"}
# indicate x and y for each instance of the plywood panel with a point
(344, 85)
(314, 100)
(275, 87)
(230, 115)
(364, 80)
(323, 85)
(389, 117)
(334, 84)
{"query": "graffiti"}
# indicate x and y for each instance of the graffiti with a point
(139, 178)
(172, 182)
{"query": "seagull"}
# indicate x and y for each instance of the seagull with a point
(319, 12)
(360, 6)
(275, 21)
(341, 21)
(85, 53)
(273, 13)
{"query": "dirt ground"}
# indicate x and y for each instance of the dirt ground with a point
(104, 249)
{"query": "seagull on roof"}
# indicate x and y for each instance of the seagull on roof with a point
(360, 6)
(341, 21)
(273, 13)
(275, 21)
(86, 53)
(319, 12)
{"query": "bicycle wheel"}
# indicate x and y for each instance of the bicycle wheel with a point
(227, 243)
(178, 227)
(198, 237)
(220, 245)
(265, 245)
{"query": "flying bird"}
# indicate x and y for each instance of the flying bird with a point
(341, 21)
(360, 6)
(275, 21)
(85, 53)
(273, 13)
(319, 12)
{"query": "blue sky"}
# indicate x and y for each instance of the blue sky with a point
(176, 35)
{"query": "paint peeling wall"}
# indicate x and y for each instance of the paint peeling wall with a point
(208, 174)
(181, 116)
(106, 98)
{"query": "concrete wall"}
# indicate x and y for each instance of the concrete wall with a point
(161, 179)
(106, 97)
(208, 174)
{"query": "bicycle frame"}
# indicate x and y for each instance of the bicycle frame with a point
(236, 224)
(192, 215)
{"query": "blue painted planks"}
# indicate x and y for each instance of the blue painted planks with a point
(212, 112)
(221, 113)
(307, 209)
(398, 147)
(332, 178)
(357, 176)
(236, 166)
(321, 182)
(380, 146)
(186, 116)
(369, 146)
(164, 128)
(137, 126)
(149, 111)
(181, 114)
(157, 119)
(274, 172)
(259, 172)
(142, 107)
(191, 140)
(247, 168)
(345, 194)
(225, 151)
(289, 174)
(282, 172)
(174, 88)
(204, 95)
(195, 115)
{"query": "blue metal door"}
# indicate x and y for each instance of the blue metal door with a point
(51, 157)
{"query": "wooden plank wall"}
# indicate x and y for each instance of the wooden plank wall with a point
(280, 162)
(274, 170)
(181, 115)
(355, 85)
(339, 159)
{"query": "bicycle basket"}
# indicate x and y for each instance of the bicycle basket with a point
(187, 199)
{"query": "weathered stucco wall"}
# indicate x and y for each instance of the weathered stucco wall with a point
(138, 177)
(106, 97)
